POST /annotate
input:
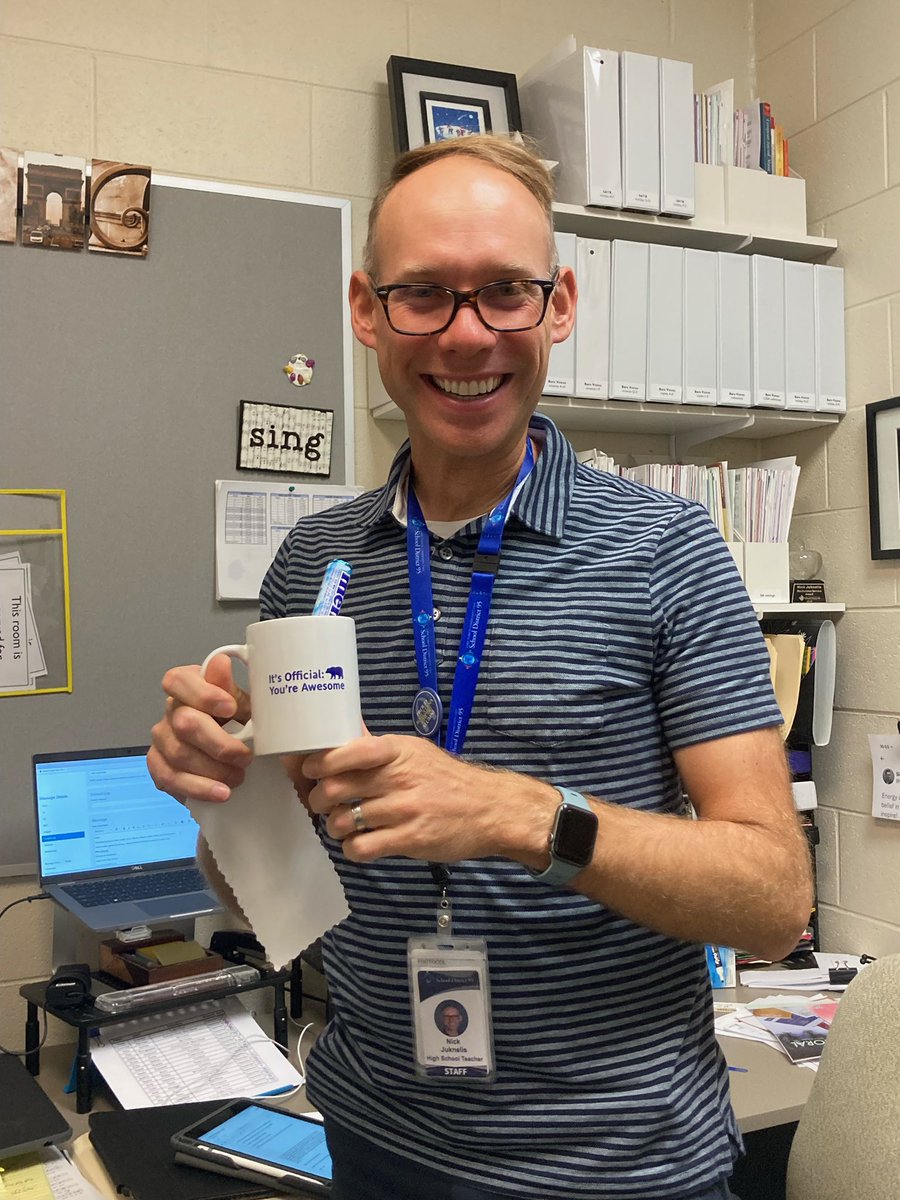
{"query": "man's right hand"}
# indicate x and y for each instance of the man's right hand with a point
(192, 757)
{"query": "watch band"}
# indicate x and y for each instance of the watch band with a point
(562, 870)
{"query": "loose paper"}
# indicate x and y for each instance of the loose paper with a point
(44, 1174)
(253, 519)
(885, 751)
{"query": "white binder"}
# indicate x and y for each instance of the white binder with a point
(767, 331)
(734, 330)
(800, 335)
(592, 325)
(639, 90)
(665, 348)
(831, 366)
(561, 365)
(701, 289)
(570, 103)
(676, 138)
(628, 321)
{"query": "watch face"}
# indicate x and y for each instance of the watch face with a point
(574, 836)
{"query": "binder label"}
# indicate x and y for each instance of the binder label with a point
(628, 391)
(801, 400)
(700, 395)
(832, 403)
(735, 396)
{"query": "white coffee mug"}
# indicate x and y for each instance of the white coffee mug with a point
(304, 683)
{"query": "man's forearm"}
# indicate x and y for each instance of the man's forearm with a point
(704, 880)
(739, 875)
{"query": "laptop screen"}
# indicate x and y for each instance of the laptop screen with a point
(99, 811)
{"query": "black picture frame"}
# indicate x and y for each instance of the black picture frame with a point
(413, 82)
(883, 453)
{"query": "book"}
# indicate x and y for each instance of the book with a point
(800, 1036)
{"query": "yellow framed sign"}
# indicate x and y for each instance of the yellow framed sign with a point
(35, 614)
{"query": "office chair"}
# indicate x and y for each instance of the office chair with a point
(848, 1139)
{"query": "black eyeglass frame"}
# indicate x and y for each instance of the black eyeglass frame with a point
(383, 292)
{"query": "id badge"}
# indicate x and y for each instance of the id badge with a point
(451, 1009)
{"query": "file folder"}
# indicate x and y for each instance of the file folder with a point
(561, 365)
(676, 138)
(767, 331)
(734, 330)
(831, 367)
(800, 335)
(592, 325)
(665, 324)
(628, 320)
(570, 103)
(701, 289)
(639, 91)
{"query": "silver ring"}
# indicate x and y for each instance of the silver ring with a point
(359, 821)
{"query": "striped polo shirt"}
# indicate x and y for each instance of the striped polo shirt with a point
(619, 631)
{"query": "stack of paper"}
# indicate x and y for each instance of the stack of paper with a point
(42, 1175)
(805, 981)
(22, 660)
(795, 1026)
(762, 499)
(208, 1051)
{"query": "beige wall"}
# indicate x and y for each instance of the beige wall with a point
(832, 71)
(292, 93)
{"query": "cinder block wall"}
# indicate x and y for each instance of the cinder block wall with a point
(832, 72)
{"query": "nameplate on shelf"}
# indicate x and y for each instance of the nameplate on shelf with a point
(807, 591)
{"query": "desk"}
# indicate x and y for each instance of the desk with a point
(88, 1018)
(773, 1090)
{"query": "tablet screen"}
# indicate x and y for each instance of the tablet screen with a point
(275, 1137)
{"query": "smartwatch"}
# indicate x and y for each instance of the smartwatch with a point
(572, 838)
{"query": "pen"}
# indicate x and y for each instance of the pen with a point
(334, 585)
(743, 1070)
(279, 1091)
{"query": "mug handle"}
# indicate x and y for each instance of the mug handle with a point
(241, 653)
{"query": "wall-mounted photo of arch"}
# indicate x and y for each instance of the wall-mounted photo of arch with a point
(53, 201)
(9, 192)
(119, 214)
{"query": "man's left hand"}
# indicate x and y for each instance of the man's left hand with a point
(415, 800)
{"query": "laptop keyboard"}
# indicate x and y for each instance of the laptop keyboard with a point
(139, 886)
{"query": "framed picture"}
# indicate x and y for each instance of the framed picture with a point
(883, 446)
(432, 101)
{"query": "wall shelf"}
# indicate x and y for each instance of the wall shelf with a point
(800, 610)
(688, 424)
(613, 223)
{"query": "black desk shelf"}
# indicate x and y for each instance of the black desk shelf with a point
(88, 1018)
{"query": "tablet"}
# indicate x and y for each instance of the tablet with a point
(260, 1143)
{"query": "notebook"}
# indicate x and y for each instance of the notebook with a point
(112, 849)
(135, 1147)
(28, 1118)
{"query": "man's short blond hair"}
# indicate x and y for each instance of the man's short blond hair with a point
(516, 158)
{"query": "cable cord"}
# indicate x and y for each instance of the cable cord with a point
(44, 1022)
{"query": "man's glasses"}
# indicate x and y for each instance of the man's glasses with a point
(510, 306)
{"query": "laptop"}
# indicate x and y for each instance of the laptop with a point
(29, 1120)
(112, 849)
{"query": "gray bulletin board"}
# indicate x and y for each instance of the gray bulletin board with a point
(121, 382)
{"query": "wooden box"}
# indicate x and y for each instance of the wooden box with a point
(118, 958)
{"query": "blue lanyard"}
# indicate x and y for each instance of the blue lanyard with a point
(427, 708)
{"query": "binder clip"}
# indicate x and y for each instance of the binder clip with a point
(841, 974)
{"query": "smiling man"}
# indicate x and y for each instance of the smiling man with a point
(549, 656)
